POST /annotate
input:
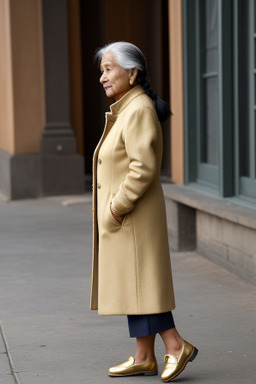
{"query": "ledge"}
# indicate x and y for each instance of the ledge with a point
(217, 206)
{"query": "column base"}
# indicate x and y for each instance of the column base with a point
(35, 175)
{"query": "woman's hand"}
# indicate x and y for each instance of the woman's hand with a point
(118, 218)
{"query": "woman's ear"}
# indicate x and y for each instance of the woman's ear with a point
(133, 75)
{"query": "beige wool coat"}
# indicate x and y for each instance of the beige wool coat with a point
(131, 262)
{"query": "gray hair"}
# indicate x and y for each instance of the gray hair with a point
(127, 55)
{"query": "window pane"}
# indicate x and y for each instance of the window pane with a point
(209, 129)
(211, 43)
(209, 98)
(247, 97)
(243, 73)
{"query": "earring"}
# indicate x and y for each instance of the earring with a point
(131, 82)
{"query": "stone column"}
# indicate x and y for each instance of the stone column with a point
(21, 98)
(62, 167)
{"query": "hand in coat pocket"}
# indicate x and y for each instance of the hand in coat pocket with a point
(119, 219)
(110, 222)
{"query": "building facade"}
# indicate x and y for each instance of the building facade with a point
(215, 208)
(201, 58)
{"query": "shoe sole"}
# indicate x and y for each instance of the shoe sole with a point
(146, 373)
(190, 359)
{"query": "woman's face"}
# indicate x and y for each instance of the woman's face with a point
(115, 79)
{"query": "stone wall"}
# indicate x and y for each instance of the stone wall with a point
(219, 229)
(230, 244)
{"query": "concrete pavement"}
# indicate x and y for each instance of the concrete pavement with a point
(52, 337)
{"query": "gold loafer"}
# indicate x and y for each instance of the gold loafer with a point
(129, 368)
(174, 366)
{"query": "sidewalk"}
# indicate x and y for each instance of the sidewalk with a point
(53, 338)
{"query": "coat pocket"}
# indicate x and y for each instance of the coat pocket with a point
(110, 222)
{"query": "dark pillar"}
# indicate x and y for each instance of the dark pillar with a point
(62, 167)
(181, 226)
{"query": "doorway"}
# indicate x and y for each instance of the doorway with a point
(144, 23)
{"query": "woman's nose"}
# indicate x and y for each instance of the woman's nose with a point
(102, 78)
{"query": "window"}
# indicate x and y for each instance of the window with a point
(245, 100)
(209, 82)
(208, 90)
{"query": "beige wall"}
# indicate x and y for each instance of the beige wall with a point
(6, 96)
(176, 94)
(21, 70)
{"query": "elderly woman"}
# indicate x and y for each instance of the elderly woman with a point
(131, 262)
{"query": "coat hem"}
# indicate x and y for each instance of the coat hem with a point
(134, 313)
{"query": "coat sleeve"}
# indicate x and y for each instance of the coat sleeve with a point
(140, 137)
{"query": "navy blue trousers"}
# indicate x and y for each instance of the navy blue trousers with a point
(145, 325)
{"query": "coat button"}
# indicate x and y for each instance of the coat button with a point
(100, 161)
(99, 186)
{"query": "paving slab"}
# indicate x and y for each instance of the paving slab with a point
(53, 337)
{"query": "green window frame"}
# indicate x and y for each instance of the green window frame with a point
(245, 98)
(217, 178)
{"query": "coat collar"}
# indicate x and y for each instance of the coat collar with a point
(121, 104)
